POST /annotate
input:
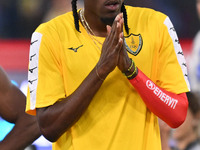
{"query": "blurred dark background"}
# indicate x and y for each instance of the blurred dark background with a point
(19, 18)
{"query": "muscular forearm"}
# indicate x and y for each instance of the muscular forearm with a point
(24, 132)
(56, 119)
(26, 129)
(170, 107)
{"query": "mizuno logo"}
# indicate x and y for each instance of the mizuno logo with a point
(173, 29)
(184, 64)
(31, 70)
(75, 49)
(33, 42)
(32, 91)
(177, 41)
(31, 81)
(180, 53)
(32, 56)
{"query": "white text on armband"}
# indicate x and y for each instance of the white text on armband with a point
(171, 102)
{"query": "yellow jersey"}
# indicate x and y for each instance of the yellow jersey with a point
(117, 118)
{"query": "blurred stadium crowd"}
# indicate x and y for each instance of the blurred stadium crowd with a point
(19, 18)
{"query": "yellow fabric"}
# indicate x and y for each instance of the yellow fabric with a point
(117, 118)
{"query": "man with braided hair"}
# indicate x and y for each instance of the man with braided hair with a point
(100, 76)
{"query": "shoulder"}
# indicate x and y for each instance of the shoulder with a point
(56, 24)
(146, 14)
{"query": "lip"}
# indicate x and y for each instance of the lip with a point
(112, 5)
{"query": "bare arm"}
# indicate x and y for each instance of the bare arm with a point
(165, 135)
(12, 109)
(56, 119)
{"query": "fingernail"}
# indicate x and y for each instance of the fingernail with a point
(122, 34)
(121, 15)
(117, 18)
(117, 24)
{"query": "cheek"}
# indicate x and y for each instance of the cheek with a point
(91, 5)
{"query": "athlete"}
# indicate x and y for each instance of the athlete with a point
(99, 77)
(12, 109)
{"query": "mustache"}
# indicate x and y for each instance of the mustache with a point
(112, 2)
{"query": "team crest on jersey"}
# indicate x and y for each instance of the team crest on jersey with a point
(133, 43)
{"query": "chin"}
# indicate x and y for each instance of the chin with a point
(108, 20)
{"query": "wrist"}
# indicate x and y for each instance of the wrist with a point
(101, 71)
(132, 71)
(98, 75)
(127, 65)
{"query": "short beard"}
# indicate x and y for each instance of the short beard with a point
(108, 21)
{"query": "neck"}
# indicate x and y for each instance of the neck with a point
(96, 25)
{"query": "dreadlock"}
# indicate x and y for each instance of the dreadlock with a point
(75, 14)
(123, 10)
(76, 18)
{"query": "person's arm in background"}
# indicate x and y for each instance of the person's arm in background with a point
(165, 135)
(12, 109)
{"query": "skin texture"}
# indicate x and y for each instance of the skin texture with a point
(12, 109)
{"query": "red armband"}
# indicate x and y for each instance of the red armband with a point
(170, 107)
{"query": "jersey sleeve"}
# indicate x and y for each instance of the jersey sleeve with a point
(172, 69)
(45, 82)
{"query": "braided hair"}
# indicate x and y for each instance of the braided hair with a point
(76, 18)
(123, 10)
(75, 14)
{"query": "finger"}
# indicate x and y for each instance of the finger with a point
(119, 45)
(122, 24)
(108, 29)
(117, 34)
(120, 15)
(110, 36)
(121, 35)
(114, 31)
